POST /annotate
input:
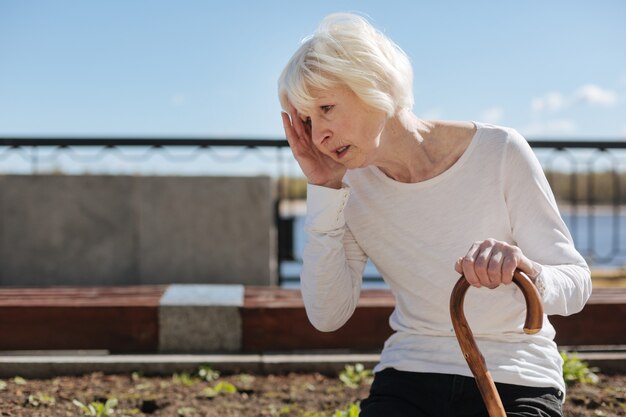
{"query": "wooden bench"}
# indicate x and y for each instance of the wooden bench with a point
(126, 320)
(274, 319)
(602, 321)
(119, 319)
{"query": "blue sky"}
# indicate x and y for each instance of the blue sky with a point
(209, 69)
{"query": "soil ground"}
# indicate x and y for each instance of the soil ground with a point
(290, 395)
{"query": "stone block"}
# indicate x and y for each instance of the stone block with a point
(201, 318)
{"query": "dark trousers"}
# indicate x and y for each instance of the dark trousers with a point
(409, 394)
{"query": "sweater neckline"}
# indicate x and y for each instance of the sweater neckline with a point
(436, 179)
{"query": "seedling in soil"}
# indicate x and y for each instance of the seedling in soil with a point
(208, 374)
(353, 375)
(97, 409)
(312, 413)
(245, 380)
(185, 379)
(35, 400)
(284, 410)
(18, 380)
(220, 388)
(186, 411)
(352, 411)
(575, 370)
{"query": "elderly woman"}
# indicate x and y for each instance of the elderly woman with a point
(413, 195)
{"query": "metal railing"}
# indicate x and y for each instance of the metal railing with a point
(589, 178)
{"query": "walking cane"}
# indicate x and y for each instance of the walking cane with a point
(475, 360)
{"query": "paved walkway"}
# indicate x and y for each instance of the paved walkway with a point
(44, 365)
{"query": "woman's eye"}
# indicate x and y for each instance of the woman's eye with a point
(326, 109)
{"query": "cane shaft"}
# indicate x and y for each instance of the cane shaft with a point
(475, 360)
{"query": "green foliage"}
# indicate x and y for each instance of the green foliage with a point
(186, 411)
(353, 411)
(219, 388)
(577, 371)
(353, 375)
(207, 373)
(245, 379)
(3, 385)
(37, 399)
(185, 378)
(292, 188)
(97, 409)
(18, 380)
(311, 413)
(283, 410)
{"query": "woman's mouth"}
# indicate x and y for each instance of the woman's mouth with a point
(340, 152)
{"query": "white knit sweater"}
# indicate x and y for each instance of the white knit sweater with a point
(413, 233)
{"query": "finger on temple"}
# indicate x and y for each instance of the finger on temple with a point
(296, 122)
(289, 131)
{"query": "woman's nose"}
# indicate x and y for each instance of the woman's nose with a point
(319, 134)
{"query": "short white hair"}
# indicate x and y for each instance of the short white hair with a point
(347, 50)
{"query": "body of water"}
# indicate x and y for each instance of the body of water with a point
(599, 236)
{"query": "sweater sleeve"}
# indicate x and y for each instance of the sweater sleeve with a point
(564, 280)
(333, 262)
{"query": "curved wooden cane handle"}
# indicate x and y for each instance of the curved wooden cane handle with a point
(475, 360)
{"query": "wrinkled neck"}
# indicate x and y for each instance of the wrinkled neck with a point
(405, 150)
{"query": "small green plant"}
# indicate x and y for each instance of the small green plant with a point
(353, 375)
(37, 399)
(185, 378)
(312, 413)
(219, 388)
(97, 409)
(353, 411)
(185, 411)
(18, 380)
(284, 410)
(3, 385)
(144, 386)
(575, 370)
(208, 374)
(245, 379)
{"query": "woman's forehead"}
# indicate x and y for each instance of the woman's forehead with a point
(316, 96)
(323, 94)
(317, 93)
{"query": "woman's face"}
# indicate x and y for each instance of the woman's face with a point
(345, 128)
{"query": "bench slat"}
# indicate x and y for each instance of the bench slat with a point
(82, 296)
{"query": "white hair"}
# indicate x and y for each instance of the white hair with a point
(347, 50)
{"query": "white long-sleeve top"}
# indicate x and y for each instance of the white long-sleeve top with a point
(413, 234)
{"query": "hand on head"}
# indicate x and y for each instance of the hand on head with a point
(320, 169)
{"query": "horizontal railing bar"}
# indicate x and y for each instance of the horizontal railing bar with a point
(569, 143)
(149, 142)
(579, 144)
(601, 149)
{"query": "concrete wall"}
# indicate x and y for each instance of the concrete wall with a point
(121, 230)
